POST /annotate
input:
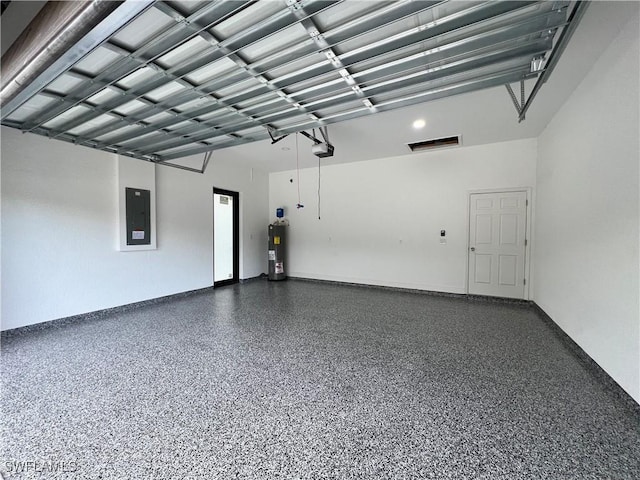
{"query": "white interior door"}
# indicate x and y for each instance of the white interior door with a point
(222, 237)
(497, 233)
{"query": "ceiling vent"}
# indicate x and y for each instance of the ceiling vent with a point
(434, 143)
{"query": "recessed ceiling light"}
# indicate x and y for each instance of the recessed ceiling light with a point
(420, 123)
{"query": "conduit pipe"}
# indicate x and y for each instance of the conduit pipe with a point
(54, 30)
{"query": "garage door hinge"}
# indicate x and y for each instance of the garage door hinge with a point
(524, 282)
(526, 242)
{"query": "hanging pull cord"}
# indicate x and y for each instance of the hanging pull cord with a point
(318, 188)
(299, 205)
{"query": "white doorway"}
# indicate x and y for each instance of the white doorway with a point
(498, 244)
(225, 237)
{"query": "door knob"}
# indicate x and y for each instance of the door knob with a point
(473, 249)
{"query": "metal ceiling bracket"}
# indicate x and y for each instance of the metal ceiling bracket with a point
(513, 97)
(205, 162)
(274, 139)
(310, 137)
(324, 131)
(567, 32)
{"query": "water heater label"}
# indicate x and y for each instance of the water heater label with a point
(272, 255)
(279, 267)
(276, 240)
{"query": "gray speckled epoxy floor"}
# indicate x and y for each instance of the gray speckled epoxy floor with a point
(308, 380)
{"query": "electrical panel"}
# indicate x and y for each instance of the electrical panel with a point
(138, 211)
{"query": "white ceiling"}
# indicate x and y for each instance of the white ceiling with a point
(15, 19)
(481, 117)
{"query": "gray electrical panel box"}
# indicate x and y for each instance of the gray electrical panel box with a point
(138, 216)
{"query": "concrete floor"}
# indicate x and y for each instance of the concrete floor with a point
(309, 380)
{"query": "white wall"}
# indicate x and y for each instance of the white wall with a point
(381, 219)
(60, 227)
(586, 264)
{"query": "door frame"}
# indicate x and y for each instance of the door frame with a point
(528, 249)
(236, 237)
